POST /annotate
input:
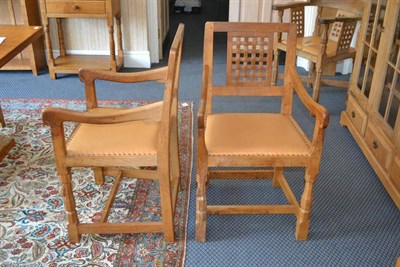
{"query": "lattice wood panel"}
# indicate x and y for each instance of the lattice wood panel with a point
(249, 59)
(342, 32)
(297, 16)
(347, 33)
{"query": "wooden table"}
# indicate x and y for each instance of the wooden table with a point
(17, 39)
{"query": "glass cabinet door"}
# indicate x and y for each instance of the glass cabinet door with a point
(390, 96)
(370, 45)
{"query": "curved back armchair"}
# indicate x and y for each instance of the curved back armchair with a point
(119, 143)
(230, 142)
(330, 42)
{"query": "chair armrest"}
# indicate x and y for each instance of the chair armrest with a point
(89, 75)
(203, 99)
(320, 112)
(330, 20)
(288, 5)
(56, 116)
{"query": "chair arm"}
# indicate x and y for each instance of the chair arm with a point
(56, 116)
(203, 99)
(320, 112)
(89, 75)
(288, 5)
(330, 20)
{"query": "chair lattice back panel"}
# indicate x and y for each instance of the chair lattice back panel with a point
(249, 58)
(347, 35)
(342, 32)
(297, 17)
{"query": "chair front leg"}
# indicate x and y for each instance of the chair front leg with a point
(69, 204)
(320, 62)
(303, 217)
(311, 73)
(317, 82)
(201, 198)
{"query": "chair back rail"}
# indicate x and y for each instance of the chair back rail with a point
(250, 56)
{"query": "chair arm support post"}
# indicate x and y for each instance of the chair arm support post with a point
(59, 142)
(91, 97)
(56, 116)
(316, 151)
(203, 99)
(320, 112)
(88, 77)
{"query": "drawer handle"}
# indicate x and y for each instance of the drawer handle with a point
(353, 114)
(75, 7)
(375, 144)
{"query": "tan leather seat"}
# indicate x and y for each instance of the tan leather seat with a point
(312, 45)
(254, 134)
(131, 138)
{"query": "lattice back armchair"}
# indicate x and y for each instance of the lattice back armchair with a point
(330, 41)
(253, 140)
(119, 142)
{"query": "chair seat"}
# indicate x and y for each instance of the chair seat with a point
(136, 138)
(311, 45)
(244, 134)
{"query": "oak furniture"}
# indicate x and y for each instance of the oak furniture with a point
(24, 12)
(17, 39)
(64, 9)
(330, 42)
(119, 142)
(372, 114)
(253, 140)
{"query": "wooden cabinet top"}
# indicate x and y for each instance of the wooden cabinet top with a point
(80, 8)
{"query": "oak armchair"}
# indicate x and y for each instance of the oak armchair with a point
(330, 42)
(119, 142)
(230, 142)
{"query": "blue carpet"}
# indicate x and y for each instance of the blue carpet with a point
(354, 221)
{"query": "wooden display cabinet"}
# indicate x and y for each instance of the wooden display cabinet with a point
(373, 107)
(24, 12)
(64, 9)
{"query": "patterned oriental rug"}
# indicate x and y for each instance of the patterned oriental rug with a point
(32, 218)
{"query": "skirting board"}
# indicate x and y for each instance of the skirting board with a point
(132, 59)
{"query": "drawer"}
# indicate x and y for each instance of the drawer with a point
(377, 144)
(75, 7)
(395, 172)
(356, 115)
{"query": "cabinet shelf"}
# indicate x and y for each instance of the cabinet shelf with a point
(72, 63)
